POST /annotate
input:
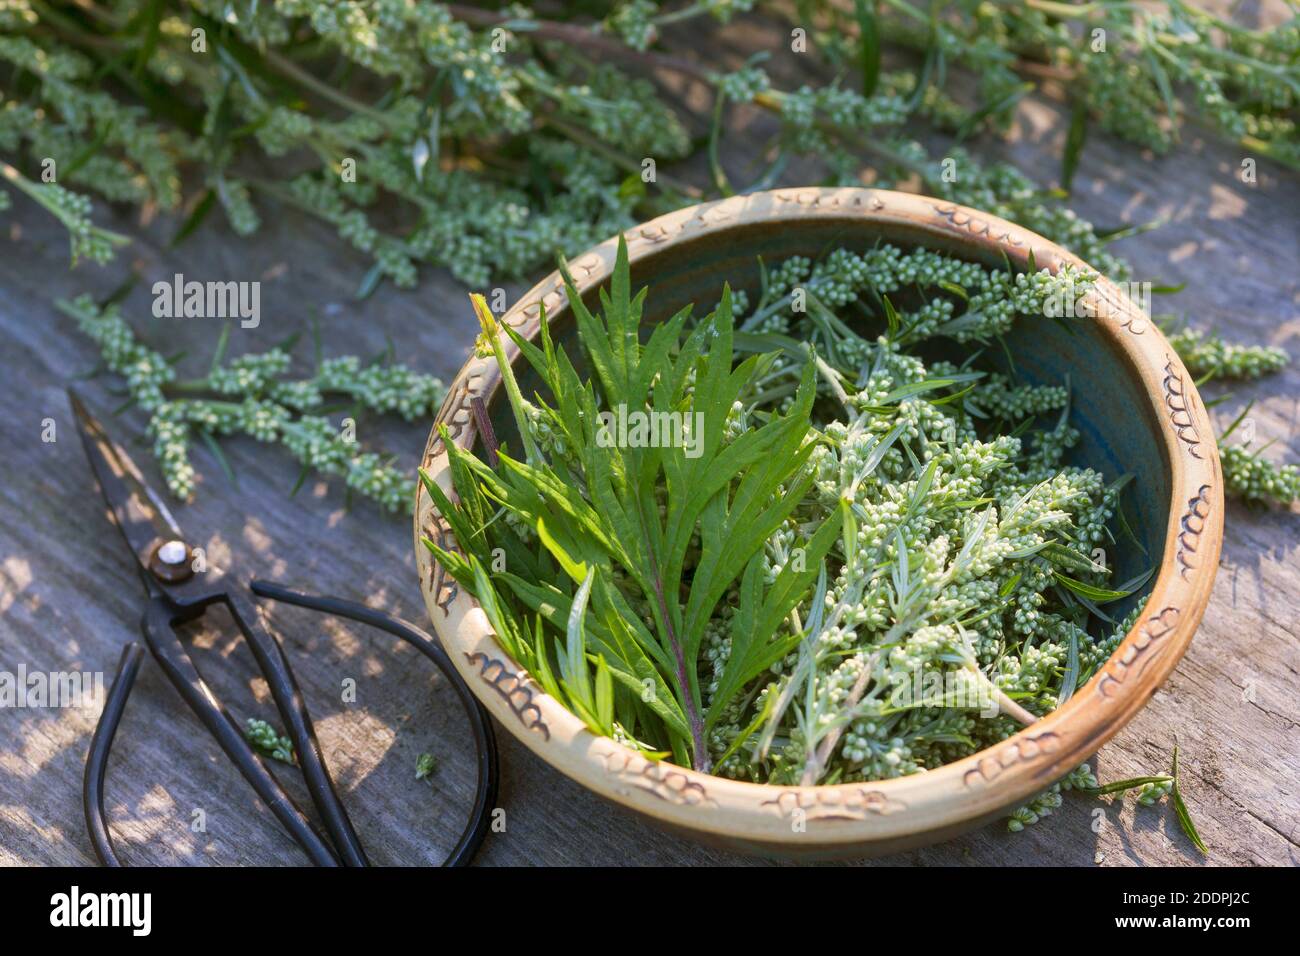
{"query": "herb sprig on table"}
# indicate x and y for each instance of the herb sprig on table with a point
(857, 521)
(504, 137)
(254, 395)
(268, 741)
(1150, 791)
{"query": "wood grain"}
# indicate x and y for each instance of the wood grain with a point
(69, 599)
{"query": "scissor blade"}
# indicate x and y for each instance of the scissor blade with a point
(140, 513)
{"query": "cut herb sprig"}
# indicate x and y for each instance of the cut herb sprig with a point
(491, 127)
(254, 395)
(724, 496)
(773, 590)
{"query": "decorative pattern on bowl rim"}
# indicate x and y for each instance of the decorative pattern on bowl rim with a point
(854, 818)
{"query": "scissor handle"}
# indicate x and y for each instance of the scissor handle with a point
(170, 652)
(185, 677)
(480, 723)
(158, 628)
(288, 700)
(92, 786)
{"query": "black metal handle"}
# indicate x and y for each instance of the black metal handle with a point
(170, 653)
(480, 723)
(92, 784)
(209, 711)
(157, 627)
(288, 700)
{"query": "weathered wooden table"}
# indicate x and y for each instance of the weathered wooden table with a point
(70, 600)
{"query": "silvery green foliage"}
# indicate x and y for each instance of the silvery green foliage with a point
(1141, 71)
(960, 535)
(1208, 356)
(935, 549)
(1255, 479)
(268, 742)
(1153, 793)
(1151, 790)
(425, 765)
(252, 395)
(71, 209)
(502, 138)
(449, 87)
(1037, 808)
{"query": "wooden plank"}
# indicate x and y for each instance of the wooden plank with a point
(69, 599)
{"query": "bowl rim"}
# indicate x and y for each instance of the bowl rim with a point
(956, 795)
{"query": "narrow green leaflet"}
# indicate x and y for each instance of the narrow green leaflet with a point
(1091, 592)
(1132, 783)
(1181, 811)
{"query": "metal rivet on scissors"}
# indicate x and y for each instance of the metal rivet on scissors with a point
(178, 593)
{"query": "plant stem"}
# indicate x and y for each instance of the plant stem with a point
(296, 73)
(694, 720)
(586, 37)
(816, 764)
(37, 194)
(619, 159)
(699, 752)
(489, 324)
(1005, 703)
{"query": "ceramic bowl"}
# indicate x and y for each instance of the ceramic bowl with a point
(1133, 401)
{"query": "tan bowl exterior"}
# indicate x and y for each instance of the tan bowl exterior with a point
(859, 819)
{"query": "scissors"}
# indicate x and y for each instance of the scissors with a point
(177, 593)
